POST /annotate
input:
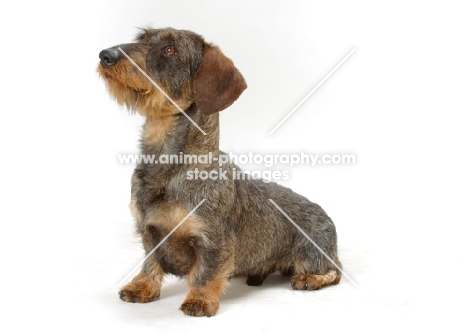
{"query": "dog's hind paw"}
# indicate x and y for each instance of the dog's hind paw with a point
(255, 280)
(314, 282)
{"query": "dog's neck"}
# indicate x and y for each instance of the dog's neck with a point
(176, 134)
(173, 135)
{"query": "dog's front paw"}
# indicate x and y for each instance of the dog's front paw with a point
(140, 291)
(199, 307)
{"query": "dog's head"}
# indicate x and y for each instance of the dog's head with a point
(185, 67)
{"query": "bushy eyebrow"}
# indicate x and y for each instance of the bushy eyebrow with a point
(147, 34)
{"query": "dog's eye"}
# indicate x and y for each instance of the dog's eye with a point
(170, 50)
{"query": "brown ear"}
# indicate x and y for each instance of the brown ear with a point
(217, 83)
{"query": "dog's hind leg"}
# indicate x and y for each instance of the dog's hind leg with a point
(316, 270)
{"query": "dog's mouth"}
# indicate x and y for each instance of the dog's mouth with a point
(145, 91)
(107, 74)
(104, 72)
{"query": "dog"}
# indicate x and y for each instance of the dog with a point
(235, 230)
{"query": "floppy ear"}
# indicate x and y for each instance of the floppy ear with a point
(217, 82)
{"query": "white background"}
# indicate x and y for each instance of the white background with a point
(399, 104)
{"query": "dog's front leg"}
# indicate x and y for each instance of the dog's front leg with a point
(207, 282)
(146, 286)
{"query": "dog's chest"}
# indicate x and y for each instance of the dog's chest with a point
(175, 252)
(175, 234)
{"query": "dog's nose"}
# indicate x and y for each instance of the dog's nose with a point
(109, 57)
